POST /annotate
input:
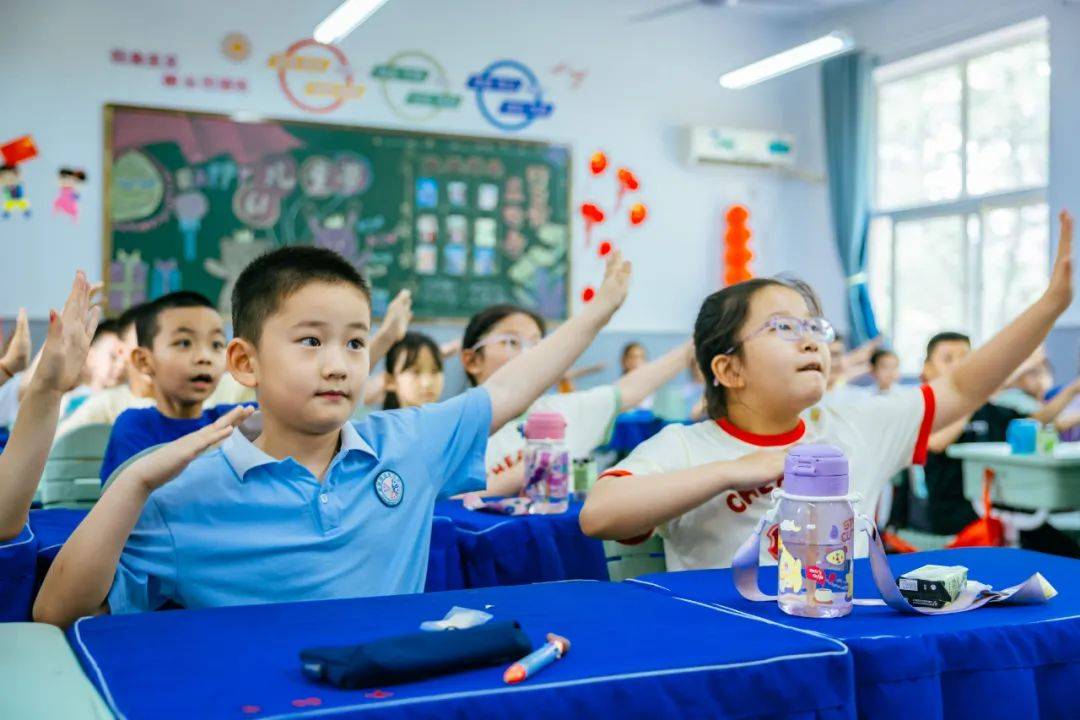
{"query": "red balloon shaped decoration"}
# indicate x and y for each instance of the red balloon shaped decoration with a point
(588, 294)
(628, 180)
(598, 162)
(592, 213)
(605, 248)
(638, 213)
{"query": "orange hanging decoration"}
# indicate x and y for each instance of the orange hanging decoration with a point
(605, 248)
(737, 255)
(628, 182)
(588, 294)
(598, 162)
(638, 213)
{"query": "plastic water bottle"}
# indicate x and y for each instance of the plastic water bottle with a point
(817, 529)
(547, 463)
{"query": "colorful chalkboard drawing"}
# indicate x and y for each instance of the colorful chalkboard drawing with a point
(237, 251)
(457, 229)
(484, 261)
(553, 235)
(514, 243)
(337, 232)
(316, 177)
(427, 259)
(353, 174)
(427, 228)
(550, 291)
(485, 233)
(457, 193)
(137, 187)
(190, 208)
(127, 280)
(455, 259)
(256, 207)
(427, 193)
(165, 278)
(514, 190)
(487, 197)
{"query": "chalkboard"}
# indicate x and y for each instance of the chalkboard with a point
(463, 222)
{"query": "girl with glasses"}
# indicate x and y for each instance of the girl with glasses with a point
(764, 350)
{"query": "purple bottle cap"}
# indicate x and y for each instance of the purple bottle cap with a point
(816, 471)
(545, 426)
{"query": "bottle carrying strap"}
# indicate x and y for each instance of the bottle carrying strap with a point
(745, 565)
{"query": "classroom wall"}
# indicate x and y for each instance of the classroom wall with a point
(902, 28)
(644, 84)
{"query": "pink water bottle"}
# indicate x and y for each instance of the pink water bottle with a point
(817, 528)
(547, 463)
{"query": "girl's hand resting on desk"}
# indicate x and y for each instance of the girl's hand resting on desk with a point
(165, 463)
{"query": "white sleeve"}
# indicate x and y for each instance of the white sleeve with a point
(897, 425)
(666, 451)
(589, 415)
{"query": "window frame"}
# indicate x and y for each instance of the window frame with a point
(966, 205)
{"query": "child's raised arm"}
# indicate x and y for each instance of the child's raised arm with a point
(79, 580)
(521, 381)
(58, 370)
(984, 371)
(639, 384)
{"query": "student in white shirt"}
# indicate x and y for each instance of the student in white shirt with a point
(496, 335)
(764, 349)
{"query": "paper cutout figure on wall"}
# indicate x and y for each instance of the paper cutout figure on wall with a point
(12, 192)
(70, 181)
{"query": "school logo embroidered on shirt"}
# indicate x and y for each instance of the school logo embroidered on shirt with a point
(390, 488)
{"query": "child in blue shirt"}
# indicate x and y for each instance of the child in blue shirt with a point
(310, 505)
(181, 347)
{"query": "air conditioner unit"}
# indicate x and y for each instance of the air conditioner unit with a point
(735, 146)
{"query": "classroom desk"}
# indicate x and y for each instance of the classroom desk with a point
(1028, 482)
(634, 654)
(995, 662)
(514, 550)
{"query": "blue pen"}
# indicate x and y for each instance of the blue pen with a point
(555, 647)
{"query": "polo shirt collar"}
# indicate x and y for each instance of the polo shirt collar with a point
(244, 456)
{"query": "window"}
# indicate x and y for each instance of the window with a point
(959, 238)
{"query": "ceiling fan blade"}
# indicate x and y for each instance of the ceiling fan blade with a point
(663, 12)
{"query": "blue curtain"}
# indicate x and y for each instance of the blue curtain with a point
(847, 88)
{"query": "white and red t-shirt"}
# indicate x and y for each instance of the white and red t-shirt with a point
(880, 435)
(589, 415)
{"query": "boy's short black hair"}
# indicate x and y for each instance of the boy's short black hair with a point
(879, 354)
(271, 278)
(146, 322)
(106, 327)
(128, 319)
(947, 336)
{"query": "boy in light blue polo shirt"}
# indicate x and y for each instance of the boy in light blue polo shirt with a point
(303, 504)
